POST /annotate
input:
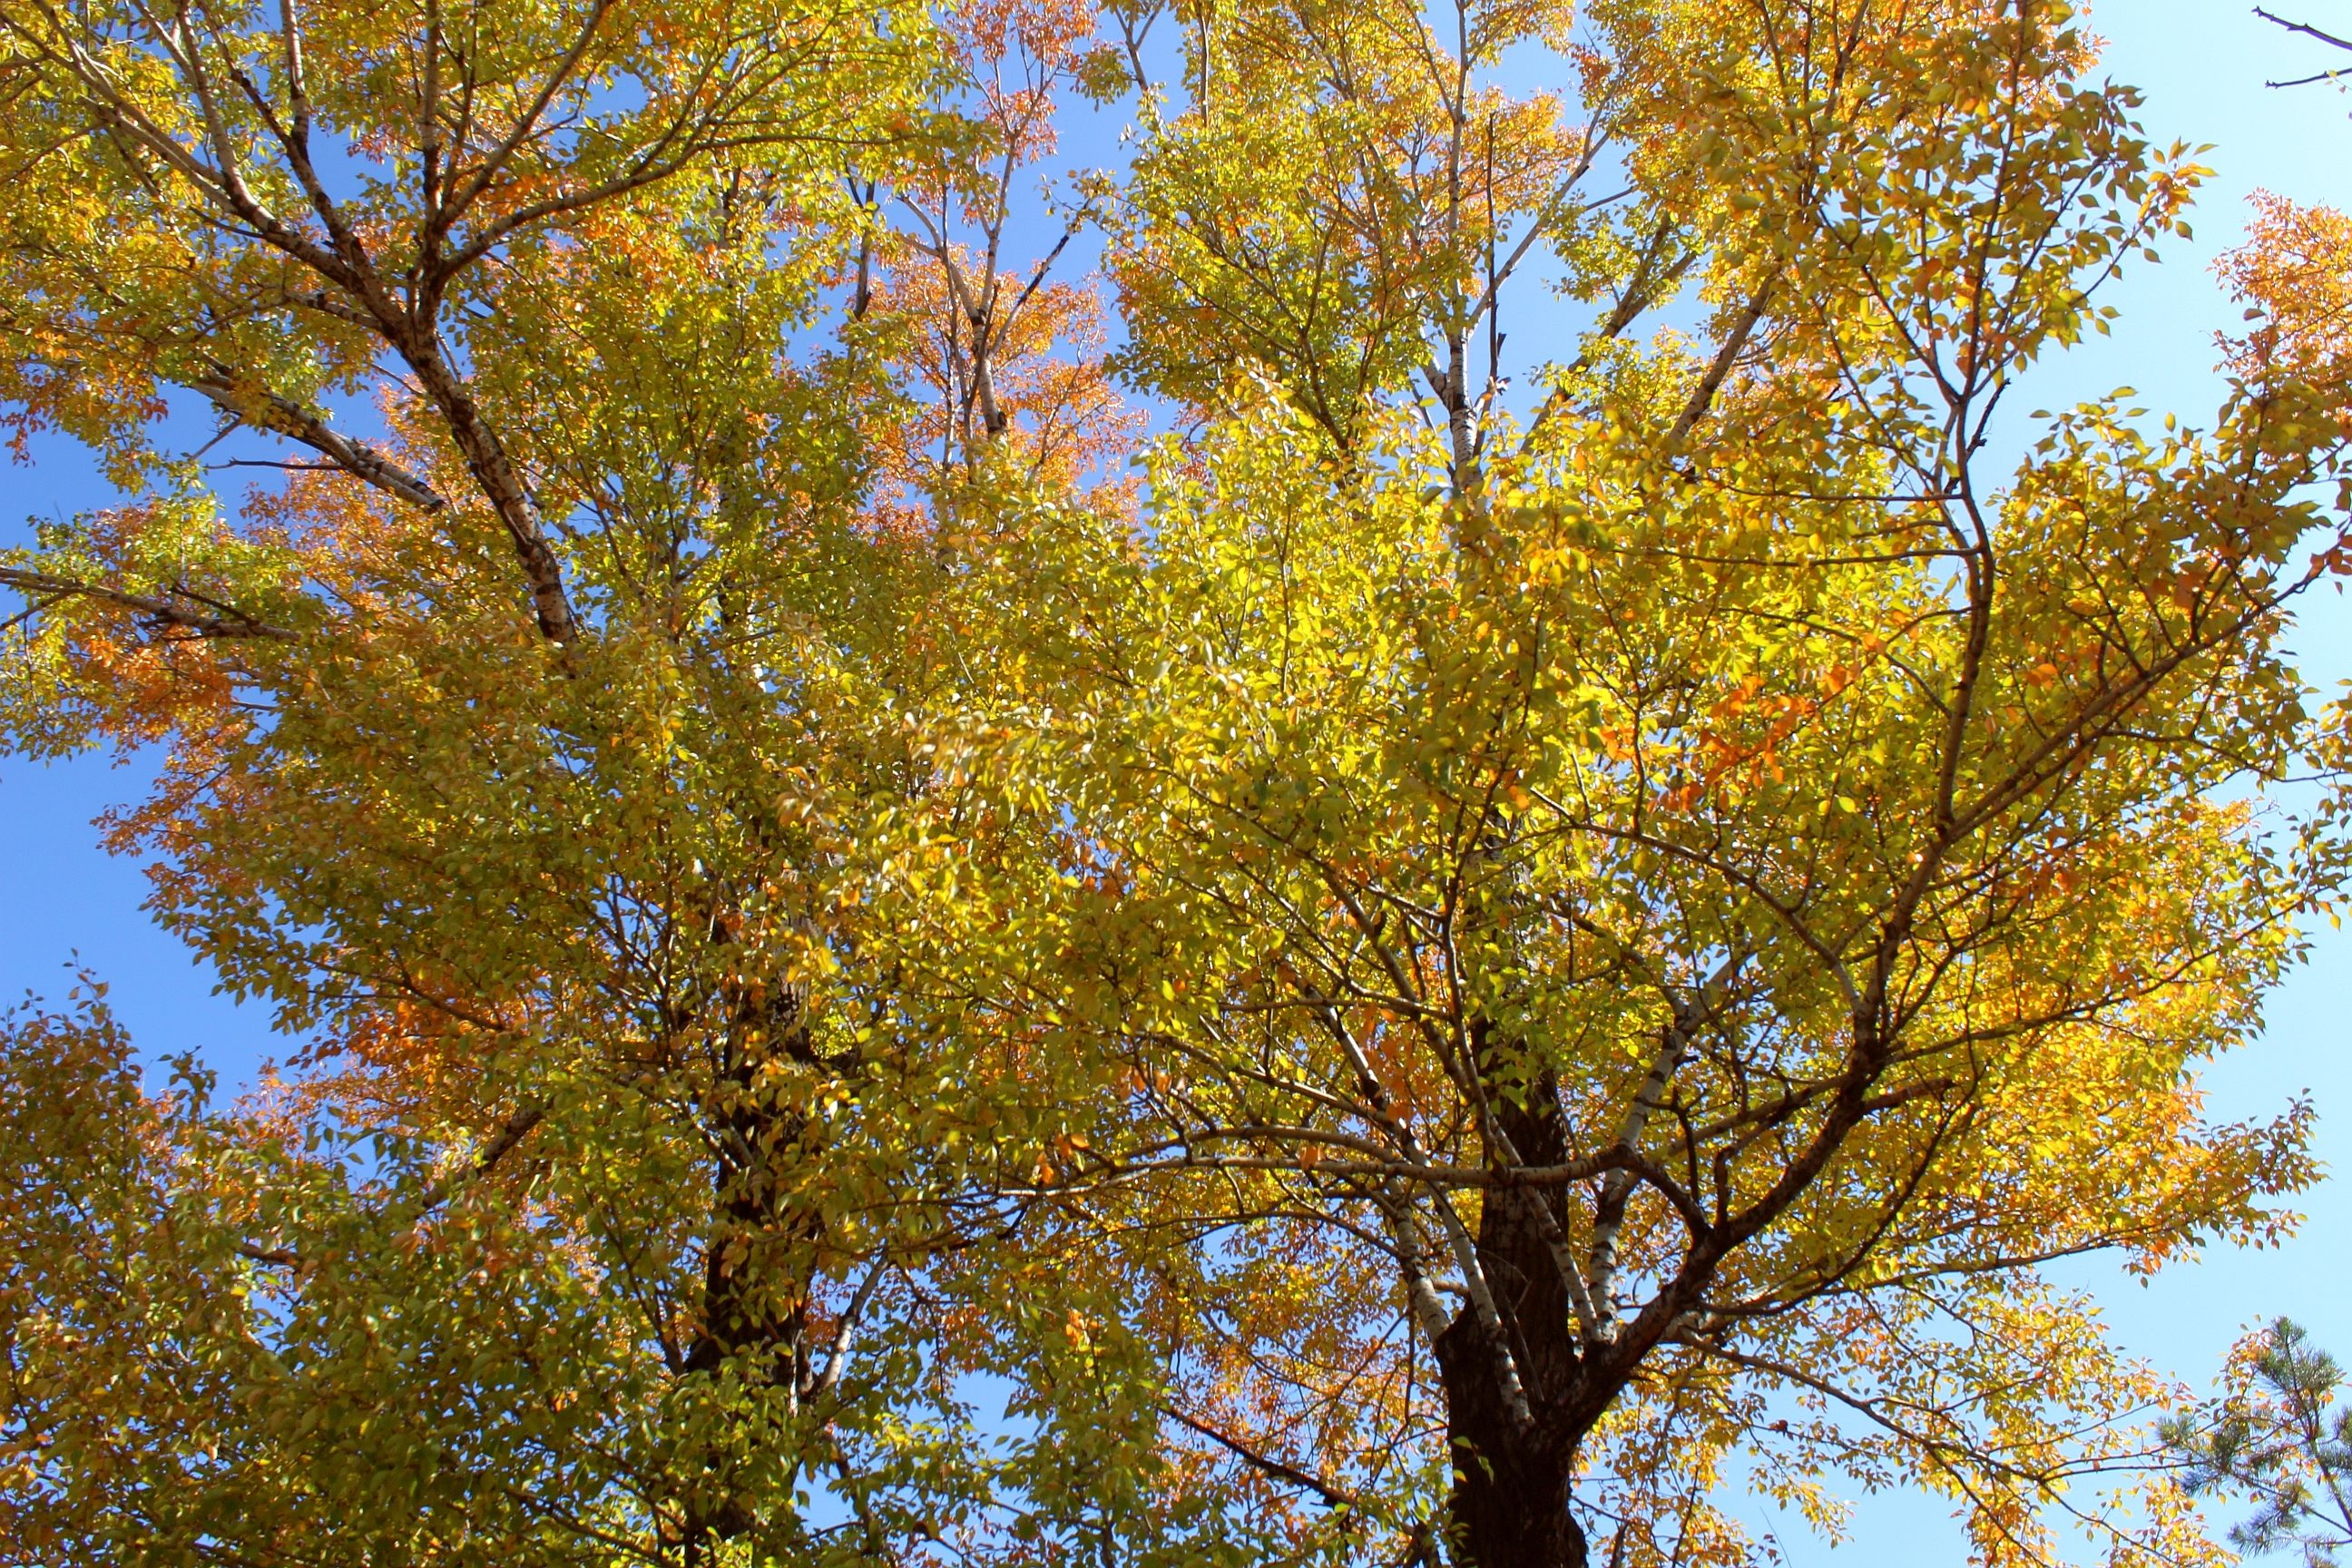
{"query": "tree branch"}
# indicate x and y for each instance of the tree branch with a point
(164, 610)
(282, 416)
(1266, 1464)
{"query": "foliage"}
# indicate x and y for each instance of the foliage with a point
(1474, 944)
(2277, 1437)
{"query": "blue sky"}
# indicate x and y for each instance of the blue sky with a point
(2202, 68)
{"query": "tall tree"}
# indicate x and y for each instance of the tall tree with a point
(525, 749)
(1671, 895)
(1507, 926)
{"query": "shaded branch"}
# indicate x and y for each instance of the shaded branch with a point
(164, 610)
(282, 416)
(1266, 1464)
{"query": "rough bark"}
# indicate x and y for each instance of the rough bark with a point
(1509, 1507)
(1510, 1495)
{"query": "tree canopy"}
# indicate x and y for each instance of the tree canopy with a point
(934, 906)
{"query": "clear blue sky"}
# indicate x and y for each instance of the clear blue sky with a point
(2202, 66)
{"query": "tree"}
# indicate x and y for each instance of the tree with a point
(1672, 902)
(1500, 929)
(2276, 1437)
(525, 752)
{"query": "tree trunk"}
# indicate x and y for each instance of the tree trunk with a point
(1509, 1507)
(1510, 1503)
(755, 1301)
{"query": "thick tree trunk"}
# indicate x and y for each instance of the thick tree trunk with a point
(1509, 1507)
